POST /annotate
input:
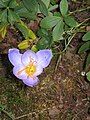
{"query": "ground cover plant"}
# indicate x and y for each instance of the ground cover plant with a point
(50, 34)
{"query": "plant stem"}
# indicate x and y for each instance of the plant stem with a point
(8, 114)
(69, 40)
(79, 10)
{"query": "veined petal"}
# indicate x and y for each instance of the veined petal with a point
(31, 81)
(44, 57)
(28, 57)
(19, 72)
(14, 56)
(39, 70)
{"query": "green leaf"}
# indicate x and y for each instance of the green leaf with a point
(43, 7)
(31, 5)
(4, 16)
(6, 2)
(2, 5)
(49, 21)
(63, 7)
(3, 30)
(46, 2)
(88, 75)
(53, 7)
(88, 60)
(13, 4)
(27, 33)
(12, 17)
(84, 47)
(70, 21)
(24, 44)
(23, 12)
(23, 29)
(43, 43)
(86, 37)
(42, 32)
(34, 48)
(58, 31)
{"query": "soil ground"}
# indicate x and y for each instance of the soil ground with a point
(63, 94)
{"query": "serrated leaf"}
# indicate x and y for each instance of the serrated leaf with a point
(42, 7)
(58, 31)
(24, 44)
(70, 21)
(86, 37)
(88, 75)
(84, 47)
(2, 5)
(31, 5)
(49, 21)
(12, 17)
(13, 4)
(88, 60)
(46, 2)
(4, 16)
(23, 12)
(63, 7)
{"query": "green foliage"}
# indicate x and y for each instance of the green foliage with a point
(49, 22)
(31, 5)
(58, 31)
(88, 75)
(42, 7)
(70, 21)
(12, 12)
(27, 33)
(63, 7)
(86, 37)
(86, 47)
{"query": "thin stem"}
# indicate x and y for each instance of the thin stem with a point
(79, 10)
(69, 40)
(8, 114)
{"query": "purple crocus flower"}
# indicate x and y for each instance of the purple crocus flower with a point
(29, 65)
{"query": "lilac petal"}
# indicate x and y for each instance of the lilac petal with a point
(28, 56)
(44, 57)
(14, 56)
(19, 72)
(39, 70)
(31, 81)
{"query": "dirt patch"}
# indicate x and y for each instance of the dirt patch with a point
(60, 95)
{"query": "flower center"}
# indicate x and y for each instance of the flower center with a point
(30, 70)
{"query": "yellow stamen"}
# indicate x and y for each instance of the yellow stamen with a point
(29, 70)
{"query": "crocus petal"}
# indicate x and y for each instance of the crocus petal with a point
(19, 72)
(39, 70)
(44, 57)
(31, 81)
(14, 56)
(27, 57)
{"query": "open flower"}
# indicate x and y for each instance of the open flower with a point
(29, 65)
